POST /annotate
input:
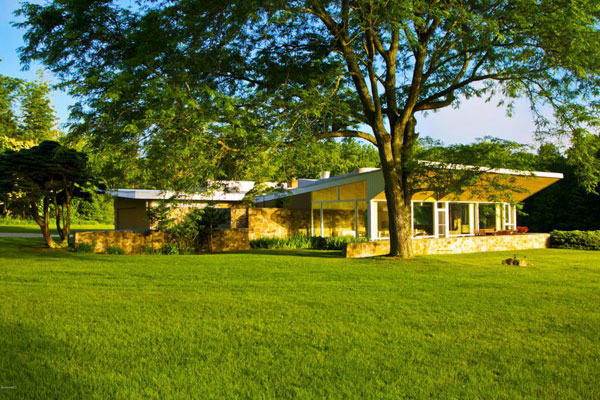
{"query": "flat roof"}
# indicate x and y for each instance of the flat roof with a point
(223, 191)
(363, 174)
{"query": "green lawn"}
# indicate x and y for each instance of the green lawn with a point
(304, 324)
(33, 228)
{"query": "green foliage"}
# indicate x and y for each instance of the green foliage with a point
(579, 240)
(38, 122)
(170, 249)
(84, 248)
(180, 103)
(26, 114)
(304, 242)
(44, 179)
(195, 232)
(115, 250)
(565, 205)
(97, 208)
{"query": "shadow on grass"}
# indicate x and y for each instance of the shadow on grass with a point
(29, 365)
(292, 252)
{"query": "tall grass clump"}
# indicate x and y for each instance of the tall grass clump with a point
(304, 242)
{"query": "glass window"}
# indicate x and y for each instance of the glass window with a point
(353, 191)
(339, 219)
(316, 219)
(423, 219)
(487, 216)
(459, 219)
(361, 218)
(383, 220)
(325, 194)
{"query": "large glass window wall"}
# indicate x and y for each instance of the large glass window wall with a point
(340, 211)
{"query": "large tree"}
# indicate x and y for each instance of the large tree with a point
(248, 75)
(44, 180)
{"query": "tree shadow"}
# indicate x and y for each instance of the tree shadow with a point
(30, 363)
(292, 252)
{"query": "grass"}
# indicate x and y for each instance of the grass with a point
(297, 324)
(32, 227)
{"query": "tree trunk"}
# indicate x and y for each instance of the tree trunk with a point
(399, 215)
(43, 223)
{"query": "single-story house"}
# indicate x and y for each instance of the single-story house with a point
(132, 205)
(349, 205)
(354, 204)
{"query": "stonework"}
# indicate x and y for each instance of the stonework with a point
(456, 245)
(277, 222)
(231, 240)
(136, 242)
(130, 241)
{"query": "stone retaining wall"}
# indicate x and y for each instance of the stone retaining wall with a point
(277, 222)
(135, 242)
(130, 241)
(466, 244)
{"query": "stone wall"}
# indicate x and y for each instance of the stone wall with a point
(466, 244)
(239, 217)
(135, 242)
(277, 222)
(130, 241)
(231, 240)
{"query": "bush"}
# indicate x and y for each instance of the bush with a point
(84, 248)
(115, 250)
(304, 242)
(170, 249)
(581, 240)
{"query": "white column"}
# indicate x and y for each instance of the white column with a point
(372, 219)
(436, 225)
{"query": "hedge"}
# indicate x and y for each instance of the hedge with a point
(304, 242)
(581, 240)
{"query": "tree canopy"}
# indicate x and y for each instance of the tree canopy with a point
(26, 113)
(44, 180)
(204, 82)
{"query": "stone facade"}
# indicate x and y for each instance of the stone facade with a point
(231, 240)
(277, 222)
(465, 244)
(130, 241)
(136, 242)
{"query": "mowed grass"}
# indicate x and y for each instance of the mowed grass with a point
(297, 324)
(33, 228)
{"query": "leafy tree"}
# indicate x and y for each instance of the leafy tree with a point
(38, 122)
(26, 114)
(566, 205)
(8, 120)
(44, 179)
(231, 80)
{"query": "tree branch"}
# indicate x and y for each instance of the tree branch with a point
(348, 134)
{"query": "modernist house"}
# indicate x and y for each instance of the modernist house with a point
(354, 204)
(132, 205)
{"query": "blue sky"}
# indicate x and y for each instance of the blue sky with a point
(474, 119)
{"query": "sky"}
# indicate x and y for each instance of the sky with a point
(474, 119)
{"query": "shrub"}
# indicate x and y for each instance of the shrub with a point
(582, 240)
(115, 250)
(84, 248)
(304, 242)
(170, 249)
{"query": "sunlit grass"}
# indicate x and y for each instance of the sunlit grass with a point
(297, 324)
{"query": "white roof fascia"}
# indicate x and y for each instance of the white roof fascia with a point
(204, 195)
(504, 171)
